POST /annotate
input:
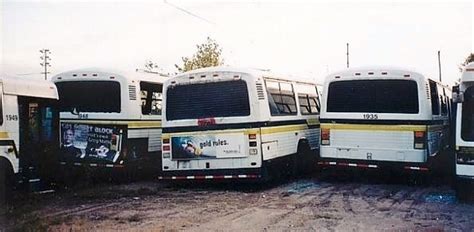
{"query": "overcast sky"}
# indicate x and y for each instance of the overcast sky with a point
(306, 39)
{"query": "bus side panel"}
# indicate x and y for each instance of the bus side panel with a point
(11, 128)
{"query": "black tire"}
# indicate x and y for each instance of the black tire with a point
(7, 185)
(305, 161)
(464, 189)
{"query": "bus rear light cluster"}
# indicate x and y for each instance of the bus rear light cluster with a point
(253, 144)
(325, 136)
(166, 147)
(419, 140)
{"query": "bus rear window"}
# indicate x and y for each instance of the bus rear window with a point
(467, 120)
(373, 96)
(89, 96)
(205, 100)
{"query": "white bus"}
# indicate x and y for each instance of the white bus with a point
(28, 131)
(463, 97)
(230, 123)
(383, 118)
(110, 119)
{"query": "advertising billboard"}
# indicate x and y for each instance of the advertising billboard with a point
(90, 143)
(208, 146)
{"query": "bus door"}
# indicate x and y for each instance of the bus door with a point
(39, 138)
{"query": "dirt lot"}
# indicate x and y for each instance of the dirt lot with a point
(328, 203)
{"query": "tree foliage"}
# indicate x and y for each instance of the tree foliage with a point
(469, 59)
(208, 54)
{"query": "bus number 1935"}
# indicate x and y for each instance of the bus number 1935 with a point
(371, 116)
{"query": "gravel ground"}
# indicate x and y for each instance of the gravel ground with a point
(329, 202)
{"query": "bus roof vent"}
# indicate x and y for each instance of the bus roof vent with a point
(132, 92)
(260, 94)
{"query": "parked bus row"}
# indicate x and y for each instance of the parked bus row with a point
(229, 123)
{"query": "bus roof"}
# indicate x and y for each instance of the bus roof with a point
(376, 71)
(468, 73)
(222, 69)
(98, 73)
(28, 87)
(250, 71)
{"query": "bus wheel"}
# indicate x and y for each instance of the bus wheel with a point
(464, 189)
(304, 160)
(6, 184)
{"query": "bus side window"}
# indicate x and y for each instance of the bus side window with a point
(151, 98)
(308, 99)
(281, 98)
(434, 98)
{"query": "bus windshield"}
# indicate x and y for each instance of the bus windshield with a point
(89, 96)
(467, 120)
(373, 96)
(205, 100)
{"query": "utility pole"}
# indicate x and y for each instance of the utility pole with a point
(45, 59)
(439, 64)
(347, 54)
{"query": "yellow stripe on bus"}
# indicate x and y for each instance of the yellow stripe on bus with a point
(130, 124)
(281, 129)
(264, 130)
(4, 135)
(374, 127)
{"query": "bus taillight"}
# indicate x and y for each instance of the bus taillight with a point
(419, 141)
(325, 136)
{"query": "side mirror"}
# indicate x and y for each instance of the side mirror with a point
(458, 97)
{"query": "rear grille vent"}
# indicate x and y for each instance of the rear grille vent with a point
(260, 94)
(428, 93)
(132, 92)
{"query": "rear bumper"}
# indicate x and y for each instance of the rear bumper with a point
(216, 174)
(375, 154)
(366, 164)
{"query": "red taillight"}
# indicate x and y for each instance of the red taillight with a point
(325, 136)
(166, 141)
(166, 147)
(252, 136)
(419, 140)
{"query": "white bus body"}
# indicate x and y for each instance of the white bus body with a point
(374, 117)
(224, 123)
(464, 137)
(110, 119)
(28, 128)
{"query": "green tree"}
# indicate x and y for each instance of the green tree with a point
(468, 60)
(208, 54)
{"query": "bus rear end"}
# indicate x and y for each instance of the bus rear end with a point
(372, 119)
(210, 128)
(464, 100)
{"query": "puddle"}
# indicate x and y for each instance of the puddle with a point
(301, 186)
(443, 198)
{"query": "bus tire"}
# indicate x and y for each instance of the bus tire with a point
(304, 160)
(6, 184)
(464, 189)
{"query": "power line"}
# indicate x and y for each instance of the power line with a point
(189, 12)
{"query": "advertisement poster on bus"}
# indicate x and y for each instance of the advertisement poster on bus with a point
(208, 146)
(90, 143)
